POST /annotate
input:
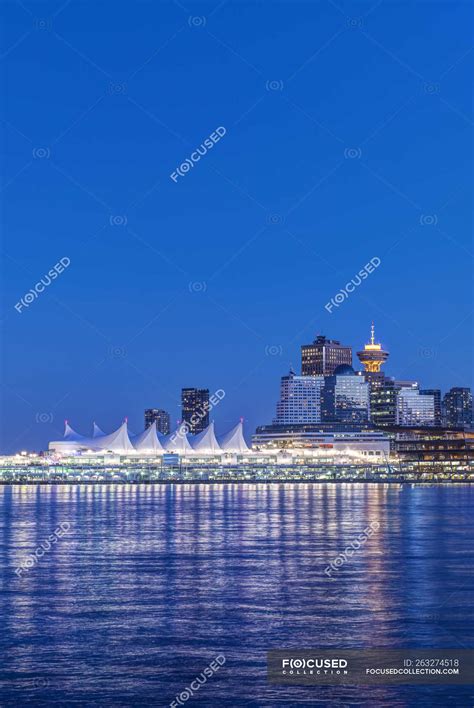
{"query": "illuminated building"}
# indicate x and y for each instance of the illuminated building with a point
(345, 397)
(432, 445)
(457, 408)
(300, 399)
(195, 409)
(323, 356)
(162, 419)
(148, 443)
(413, 408)
(436, 393)
(373, 356)
(383, 401)
(311, 437)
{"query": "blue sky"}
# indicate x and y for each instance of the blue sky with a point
(348, 137)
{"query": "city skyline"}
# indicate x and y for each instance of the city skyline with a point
(214, 278)
(236, 351)
(292, 407)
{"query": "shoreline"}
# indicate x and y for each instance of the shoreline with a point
(94, 482)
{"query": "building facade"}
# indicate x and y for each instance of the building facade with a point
(323, 356)
(383, 401)
(457, 408)
(414, 408)
(300, 399)
(345, 397)
(432, 445)
(161, 417)
(296, 439)
(436, 393)
(195, 409)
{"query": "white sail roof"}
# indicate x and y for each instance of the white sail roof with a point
(234, 440)
(97, 432)
(206, 442)
(118, 441)
(148, 441)
(70, 434)
(178, 441)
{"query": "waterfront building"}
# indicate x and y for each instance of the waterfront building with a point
(195, 409)
(372, 356)
(160, 417)
(323, 356)
(439, 446)
(320, 438)
(147, 443)
(436, 393)
(345, 397)
(414, 408)
(300, 399)
(457, 408)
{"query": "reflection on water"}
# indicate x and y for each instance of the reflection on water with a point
(153, 581)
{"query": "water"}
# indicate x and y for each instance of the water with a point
(152, 582)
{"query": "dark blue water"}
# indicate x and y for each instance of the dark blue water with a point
(151, 583)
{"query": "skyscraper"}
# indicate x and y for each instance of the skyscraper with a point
(436, 393)
(345, 397)
(457, 408)
(383, 400)
(161, 417)
(372, 356)
(323, 356)
(195, 408)
(414, 408)
(300, 399)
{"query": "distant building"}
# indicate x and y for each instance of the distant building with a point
(436, 393)
(161, 417)
(457, 408)
(345, 397)
(323, 356)
(413, 408)
(195, 408)
(300, 399)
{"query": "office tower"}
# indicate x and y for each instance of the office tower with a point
(195, 408)
(413, 408)
(457, 408)
(300, 399)
(383, 402)
(345, 397)
(436, 393)
(323, 356)
(161, 417)
(373, 356)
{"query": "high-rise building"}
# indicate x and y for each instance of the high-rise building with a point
(345, 397)
(372, 355)
(436, 393)
(161, 417)
(323, 356)
(383, 401)
(413, 408)
(457, 408)
(300, 399)
(195, 408)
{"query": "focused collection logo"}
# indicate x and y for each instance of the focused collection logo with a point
(313, 665)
